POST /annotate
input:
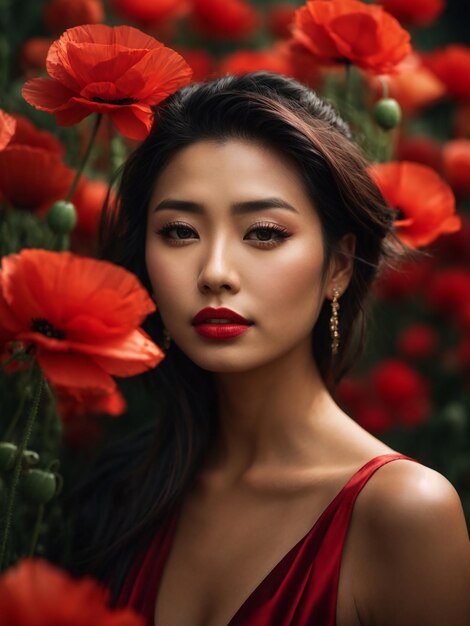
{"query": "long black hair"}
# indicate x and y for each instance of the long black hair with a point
(136, 485)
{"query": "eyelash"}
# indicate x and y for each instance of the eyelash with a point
(280, 232)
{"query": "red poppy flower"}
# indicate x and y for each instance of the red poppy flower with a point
(418, 341)
(448, 291)
(62, 14)
(305, 68)
(423, 200)
(349, 31)
(456, 164)
(420, 149)
(245, 61)
(374, 418)
(404, 282)
(454, 249)
(76, 402)
(281, 20)
(452, 66)
(89, 200)
(81, 316)
(230, 19)
(35, 593)
(402, 389)
(33, 178)
(80, 415)
(7, 129)
(200, 61)
(33, 55)
(351, 393)
(151, 13)
(416, 12)
(27, 134)
(118, 71)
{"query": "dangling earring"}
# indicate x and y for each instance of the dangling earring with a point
(334, 321)
(166, 340)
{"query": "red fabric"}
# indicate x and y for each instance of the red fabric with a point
(299, 591)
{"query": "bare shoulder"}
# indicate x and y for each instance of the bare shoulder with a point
(404, 490)
(414, 550)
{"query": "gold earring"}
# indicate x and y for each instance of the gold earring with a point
(334, 321)
(166, 339)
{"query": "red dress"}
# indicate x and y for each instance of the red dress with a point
(300, 590)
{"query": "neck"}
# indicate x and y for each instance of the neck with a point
(270, 415)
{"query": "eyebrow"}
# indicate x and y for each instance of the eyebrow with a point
(239, 208)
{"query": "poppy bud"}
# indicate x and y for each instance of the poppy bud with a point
(62, 217)
(38, 486)
(30, 457)
(7, 455)
(387, 113)
(454, 415)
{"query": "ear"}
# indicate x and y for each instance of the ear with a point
(341, 265)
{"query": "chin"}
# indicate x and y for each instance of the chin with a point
(221, 364)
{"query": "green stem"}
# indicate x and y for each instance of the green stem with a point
(384, 83)
(10, 359)
(17, 469)
(349, 98)
(86, 156)
(16, 417)
(62, 242)
(37, 530)
(385, 145)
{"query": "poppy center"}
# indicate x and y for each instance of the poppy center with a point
(399, 215)
(41, 325)
(120, 101)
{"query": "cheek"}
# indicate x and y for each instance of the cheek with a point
(291, 283)
(166, 276)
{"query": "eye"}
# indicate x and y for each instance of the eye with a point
(268, 235)
(180, 230)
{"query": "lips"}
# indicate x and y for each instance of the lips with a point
(227, 316)
(220, 324)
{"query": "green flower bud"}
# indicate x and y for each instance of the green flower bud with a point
(38, 486)
(455, 415)
(62, 217)
(387, 113)
(30, 457)
(7, 455)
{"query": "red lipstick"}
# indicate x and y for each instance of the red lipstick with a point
(220, 323)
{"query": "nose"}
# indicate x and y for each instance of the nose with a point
(218, 273)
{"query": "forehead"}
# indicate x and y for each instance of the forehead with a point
(233, 168)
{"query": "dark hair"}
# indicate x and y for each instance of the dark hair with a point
(286, 116)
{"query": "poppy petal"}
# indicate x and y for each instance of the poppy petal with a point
(134, 121)
(156, 76)
(96, 63)
(355, 35)
(46, 94)
(33, 178)
(424, 198)
(67, 369)
(132, 355)
(7, 128)
(8, 321)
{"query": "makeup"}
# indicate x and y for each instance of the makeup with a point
(220, 323)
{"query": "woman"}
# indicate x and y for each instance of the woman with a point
(249, 215)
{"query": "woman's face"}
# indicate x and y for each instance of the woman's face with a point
(217, 237)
